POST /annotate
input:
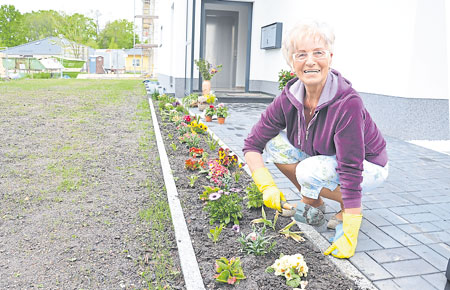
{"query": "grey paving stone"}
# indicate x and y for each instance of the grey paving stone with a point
(437, 199)
(432, 237)
(442, 249)
(369, 267)
(427, 193)
(392, 255)
(419, 228)
(438, 280)
(400, 236)
(382, 204)
(444, 225)
(379, 236)
(289, 194)
(367, 245)
(421, 217)
(390, 216)
(414, 199)
(431, 256)
(409, 268)
(416, 282)
(386, 285)
(375, 218)
(401, 210)
(332, 206)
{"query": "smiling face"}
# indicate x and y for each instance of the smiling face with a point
(312, 71)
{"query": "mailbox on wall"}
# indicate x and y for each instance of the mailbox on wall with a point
(271, 35)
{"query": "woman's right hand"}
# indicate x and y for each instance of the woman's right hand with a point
(272, 196)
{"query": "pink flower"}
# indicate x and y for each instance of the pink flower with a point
(252, 236)
(231, 280)
(214, 196)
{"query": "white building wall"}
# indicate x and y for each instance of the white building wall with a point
(395, 48)
(171, 53)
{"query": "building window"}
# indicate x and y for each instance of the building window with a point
(136, 62)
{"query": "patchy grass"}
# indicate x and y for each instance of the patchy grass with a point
(156, 214)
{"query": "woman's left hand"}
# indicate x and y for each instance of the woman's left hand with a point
(345, 246)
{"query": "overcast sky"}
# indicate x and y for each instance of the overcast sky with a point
(108, 10)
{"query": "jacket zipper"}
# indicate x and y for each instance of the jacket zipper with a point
(309, 125)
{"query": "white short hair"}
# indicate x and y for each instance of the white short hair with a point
(311, 28)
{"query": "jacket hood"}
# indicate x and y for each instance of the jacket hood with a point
(336, 85)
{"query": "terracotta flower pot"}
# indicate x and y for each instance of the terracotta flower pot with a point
(206, 87)
(208, 118)
(221, 120)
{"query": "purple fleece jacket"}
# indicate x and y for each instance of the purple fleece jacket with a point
(340, 126)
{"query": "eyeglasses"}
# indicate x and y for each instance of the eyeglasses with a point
(317, 54)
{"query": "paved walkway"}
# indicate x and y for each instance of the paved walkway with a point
(404, 242)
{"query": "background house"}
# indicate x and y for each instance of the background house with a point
(136, 61)
(396, 53)
(26, 57)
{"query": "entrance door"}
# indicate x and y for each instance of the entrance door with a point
(221, 46)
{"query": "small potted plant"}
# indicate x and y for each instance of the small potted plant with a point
(207, 71)
(221, 112)
(211, 98)
(209, 113)
(201, 103)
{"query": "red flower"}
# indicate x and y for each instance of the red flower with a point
(211, 106)
(292, 74)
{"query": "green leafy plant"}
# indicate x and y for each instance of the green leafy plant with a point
(210, 111)
(192, 180)
(191, 139)
(291, 267)
(170, 136)
(183, 128)
(229, 271)
(214, 234)
(211, 142)
(265, 221)
(293, 235)
(237, 173)
(174, 146)
(155, 95)
(256, 243)
(254, 196)
(226, 181)
(283, 77)
(190, 100)
(208, 190)
(221, 111)
(224, 208)
(206, 69)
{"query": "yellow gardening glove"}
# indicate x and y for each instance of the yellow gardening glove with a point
(272, 196)
(345, 246)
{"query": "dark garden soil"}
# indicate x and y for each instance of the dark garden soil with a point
(78, 178)
(322, 273)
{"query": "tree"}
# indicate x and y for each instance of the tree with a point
(11, 32)
(117, 34)
(41, 24)
(77, 28)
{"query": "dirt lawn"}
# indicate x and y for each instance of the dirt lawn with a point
(82, 200)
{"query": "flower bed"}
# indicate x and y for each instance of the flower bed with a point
(214, 202)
